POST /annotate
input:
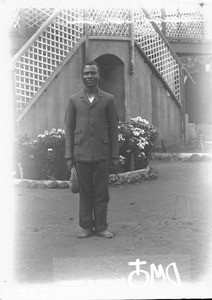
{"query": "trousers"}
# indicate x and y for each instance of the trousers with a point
(94, 194)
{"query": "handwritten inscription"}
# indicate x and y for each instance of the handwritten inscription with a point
(148, 277)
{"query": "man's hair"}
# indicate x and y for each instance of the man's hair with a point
(91, 63)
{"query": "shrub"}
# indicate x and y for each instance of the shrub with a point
(43, 158)
(136, 141)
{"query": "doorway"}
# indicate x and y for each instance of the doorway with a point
(112, 80)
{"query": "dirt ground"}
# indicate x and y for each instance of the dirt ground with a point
(161, 222)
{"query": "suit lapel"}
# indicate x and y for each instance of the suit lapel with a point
(84, 97)
(95, 100)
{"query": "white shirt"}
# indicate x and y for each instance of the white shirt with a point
(91, 99)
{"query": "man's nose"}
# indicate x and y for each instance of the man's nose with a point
(89, 75)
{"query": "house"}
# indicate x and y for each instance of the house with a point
(138, 66)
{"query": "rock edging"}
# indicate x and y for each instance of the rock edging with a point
(128, 177)
(185, 157)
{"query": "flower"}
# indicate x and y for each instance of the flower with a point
(122, 159)
(140, 145)
(121, 138)
(141, 154)
(136, 119)
(139, 120)
(53, 131)
(136, 133)
(136, 139)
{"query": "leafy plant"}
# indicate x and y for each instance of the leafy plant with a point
(43, 158)
(136, 140)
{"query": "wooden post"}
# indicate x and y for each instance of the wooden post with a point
(22, 22)
(163, 23)
(15, 109)
(203, 21)
(132, 50)
(86, 33)
(182, 95)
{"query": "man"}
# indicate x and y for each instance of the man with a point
(91, 145)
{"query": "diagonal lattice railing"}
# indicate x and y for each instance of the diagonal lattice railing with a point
(35, 17)
(154, 46)
(111, 22)
(63, 30)
(30, 17)
(185, 23)
(57, 37)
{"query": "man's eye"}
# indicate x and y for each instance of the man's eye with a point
(91, 73)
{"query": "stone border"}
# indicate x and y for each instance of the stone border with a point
(185, 157)
(128, 177)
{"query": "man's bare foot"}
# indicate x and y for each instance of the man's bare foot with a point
(85, 233)
(105, 234)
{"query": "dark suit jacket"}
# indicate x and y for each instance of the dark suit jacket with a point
(91, 128)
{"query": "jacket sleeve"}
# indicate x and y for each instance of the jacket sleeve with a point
(70, 122)
(113, 129)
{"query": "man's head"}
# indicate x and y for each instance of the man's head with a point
(91, 74)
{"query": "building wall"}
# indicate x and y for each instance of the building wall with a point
(166, 115)
(49, 110)
(144, 94)
(198, 104)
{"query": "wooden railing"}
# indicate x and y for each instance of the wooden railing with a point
(184, 23)
(64, 29)
(44, 52)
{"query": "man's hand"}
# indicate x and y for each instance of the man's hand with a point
(114, 165)
(114, 161)
(70, 164)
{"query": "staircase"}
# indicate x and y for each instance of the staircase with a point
(36, 62)
(35, 65)
(187, 28)
(57, 34)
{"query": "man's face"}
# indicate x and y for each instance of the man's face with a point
(90, 76)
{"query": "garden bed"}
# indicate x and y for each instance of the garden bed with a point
(43, 158)
(115, 179)
(186, 157)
